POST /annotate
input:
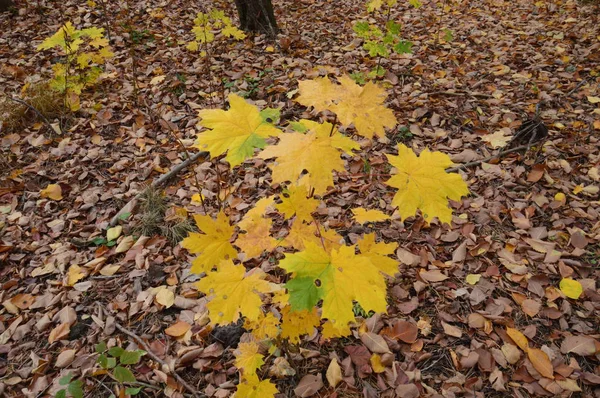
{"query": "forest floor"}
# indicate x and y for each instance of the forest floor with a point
(477, 67)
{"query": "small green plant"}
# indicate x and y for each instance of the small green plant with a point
(72, 387)
(380, 43)
(208, 26)
(84, 53)
(114, 361)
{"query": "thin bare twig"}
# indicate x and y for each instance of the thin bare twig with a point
(152, 355)
(159, 182)
(460, 94)
(478, 162)
(44, 118)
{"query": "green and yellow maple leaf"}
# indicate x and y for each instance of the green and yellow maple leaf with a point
(423, 183)
(253, 388)
(297, 323)
(297, 152)
(248, 359)
(232, 293)
(295, 201)
(213, 246)
(237, 131)
(338, 278)
(373, 5)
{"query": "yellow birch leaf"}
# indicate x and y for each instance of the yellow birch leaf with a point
(376, 364)
(74, 274)
(362, 215)
(424, 184)
(237, 131)
(213, 245)
(231, 293)
(248, 359)
(113, 233)
(52, 191)
(472, 279)
(297, 152)
(593, 100)
(165, 297)
(571, 288)
(334, 373)
(519, 338)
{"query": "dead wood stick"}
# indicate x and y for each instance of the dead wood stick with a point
(152, 355)
(460, 94)
(478, 162)
(159, 182)
(44, 118)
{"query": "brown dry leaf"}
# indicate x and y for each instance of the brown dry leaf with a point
(531, 307)
(375, 343)
(59, 332)
(65, 358)
(178, 329)
(540, 361)
(432, 276)
(308, 386)
(451, 330)
(581, 345)
(402, 330)
(511, 352)
(334, 373)
(23, 301)
(281, 369)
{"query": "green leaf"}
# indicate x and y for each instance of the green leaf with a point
(124, 216)
(61, 394)
(116, 351)
(304, 293)
(270, 115)
(101, 347)
(375, 49)
(133, 391)
(393, 27)
(299, 127)
(131, 357)
(415, 3)
(123, 375)
(448, 35)
(403, 47)
(75, 389)
(106, 362)
(362, 28)
(65, 380)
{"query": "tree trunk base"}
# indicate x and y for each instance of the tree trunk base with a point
(257, 16)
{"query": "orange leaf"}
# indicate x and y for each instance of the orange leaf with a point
(59, 332)
(178, 329)
(540, 361)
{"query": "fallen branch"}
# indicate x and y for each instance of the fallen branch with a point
(478, 162)
(461, 93)
(44, 118)
(164, 365)
(157, 183)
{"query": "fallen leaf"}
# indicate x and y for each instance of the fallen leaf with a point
(59, 332)
(375, 343)
(65, 358)
(334, 373)
(571, 288)
(165, 297)
(23, 301)
(178, 329)
(52, 191)
(451, 330)
(519, 338)
(581, 345)
(432, 276)
(308, 386)
(540, 361)
(531, 307)
(376, 364)
(114, 232)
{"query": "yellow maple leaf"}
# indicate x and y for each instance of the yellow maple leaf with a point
(353, 104)
(237, 131)
(338, 278)
(213, 245)
(362, 215)
(332, 331)
(297, 323)
(301, 233)
(378, 253)
(373, 5)
(258, 238)
(231, 292)
(266, 327)
(295, 201)
(423, 183)
(256, 213)
(248, 359)
(254, 388)
(363, 107)
(297, 152)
